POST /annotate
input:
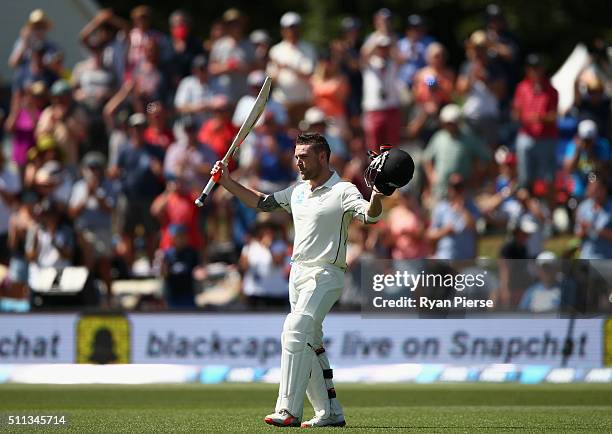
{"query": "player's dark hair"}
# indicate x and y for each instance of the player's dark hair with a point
(316, 140)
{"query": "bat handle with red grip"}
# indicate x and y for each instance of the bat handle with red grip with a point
(209, 186)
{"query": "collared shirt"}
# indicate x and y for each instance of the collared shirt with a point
(321, 219)
(461, 244)
(531, 99)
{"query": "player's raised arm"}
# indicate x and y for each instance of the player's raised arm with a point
(250, 197)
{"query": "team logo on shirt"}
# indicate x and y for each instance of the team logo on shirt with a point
(300, 197)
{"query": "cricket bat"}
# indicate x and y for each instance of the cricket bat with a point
(245, 129)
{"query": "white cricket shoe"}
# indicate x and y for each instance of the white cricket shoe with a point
(282, 418)
(333, 420)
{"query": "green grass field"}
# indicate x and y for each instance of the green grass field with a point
(369, 408)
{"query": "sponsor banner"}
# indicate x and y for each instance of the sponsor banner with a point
(32, 338)
(253, 340)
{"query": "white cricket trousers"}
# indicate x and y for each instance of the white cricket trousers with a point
(305, 368)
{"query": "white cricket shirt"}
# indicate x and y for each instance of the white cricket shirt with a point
(321, 219)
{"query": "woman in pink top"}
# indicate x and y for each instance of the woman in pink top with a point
(406, 229)
(22, 120)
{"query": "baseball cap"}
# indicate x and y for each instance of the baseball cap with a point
(350, 23)
(256, 78)
(533, 60)
(137, 120)
(60, 87)
(313, 116)
(94, 159)
(232, 14)
(384, 13)
(290, 19)
(494, 11)
(451, 113)
(545, 258)
(415, 20)
(38, 16)
(587, 129)
(199, 62)
(259, 36)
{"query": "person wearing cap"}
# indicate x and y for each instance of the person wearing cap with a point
(593, 101)
(412, 47)
(32, 71)
(158, 133)
(594, 221)
(10, 186)
(65, 121)
(291, 65)
(255, 80)
(180, 263)
(140, 173)
(218, 132)
(315, 121)
(189, 157)
(231, 58)
(261, 41)
(483, 83)
(141, 36)
(383, 26)
(503, 43)
(545, 294)
(535, 108)
(453, 223)
(193, 95)
(22, 119)
(382, 120)
(452, 149)
(33, 34)
(322, 206)
(184, 46)
(587, 153)
(91, 205)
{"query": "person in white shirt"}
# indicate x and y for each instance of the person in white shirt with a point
(193, 95)
(322, 206)
(291, 64)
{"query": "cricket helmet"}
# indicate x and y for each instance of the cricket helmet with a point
(389, 170)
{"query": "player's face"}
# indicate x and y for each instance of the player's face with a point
(307, 161)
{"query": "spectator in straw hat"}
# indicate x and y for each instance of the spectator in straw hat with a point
(33, 34)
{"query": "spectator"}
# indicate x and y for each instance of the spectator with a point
(255, 81)
(407, 223)
(33, 37)
(184, 46)
(10, 186)
(55, 63)
(66, 122)
(516, 246)
(94, 83)
(383, 26)
(180, 263)
(452, 150)
(193, 95)
(141, 39)
(49, 243)
(433, 88)
(482, 82)
(412, 48)
(503, 45)
(139, 169)
(545, 294)
(346, 50)
(263, 261)
(217, 31)
(54, 182)
(593, 103)
(92, 202)
(189, 157)
(535, 108)
(594, 221)
(32, 71)
(150, 79)
(453, 223)
(291, 65)
(218, 131)
(175, 207)
(381, 103)
(231, 58)
(330, 89)
(46, 150)
(261, 46)
(533, 218)
(157, 132)
(22, 120)
(587, 153)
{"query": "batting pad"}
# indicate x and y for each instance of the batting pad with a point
(321, 392)
(296, 362)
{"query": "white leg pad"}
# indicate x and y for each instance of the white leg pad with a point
(296, 362)
(321, 391)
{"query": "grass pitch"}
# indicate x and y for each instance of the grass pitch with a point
(369, 408)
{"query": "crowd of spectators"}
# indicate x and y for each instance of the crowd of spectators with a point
(105, 159)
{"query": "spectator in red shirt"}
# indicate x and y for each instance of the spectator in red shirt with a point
(158, 133)
(535, 108)
(175, 206)
(218, 132)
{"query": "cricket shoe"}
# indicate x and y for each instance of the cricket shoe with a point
(282, 418)
(333, 420)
